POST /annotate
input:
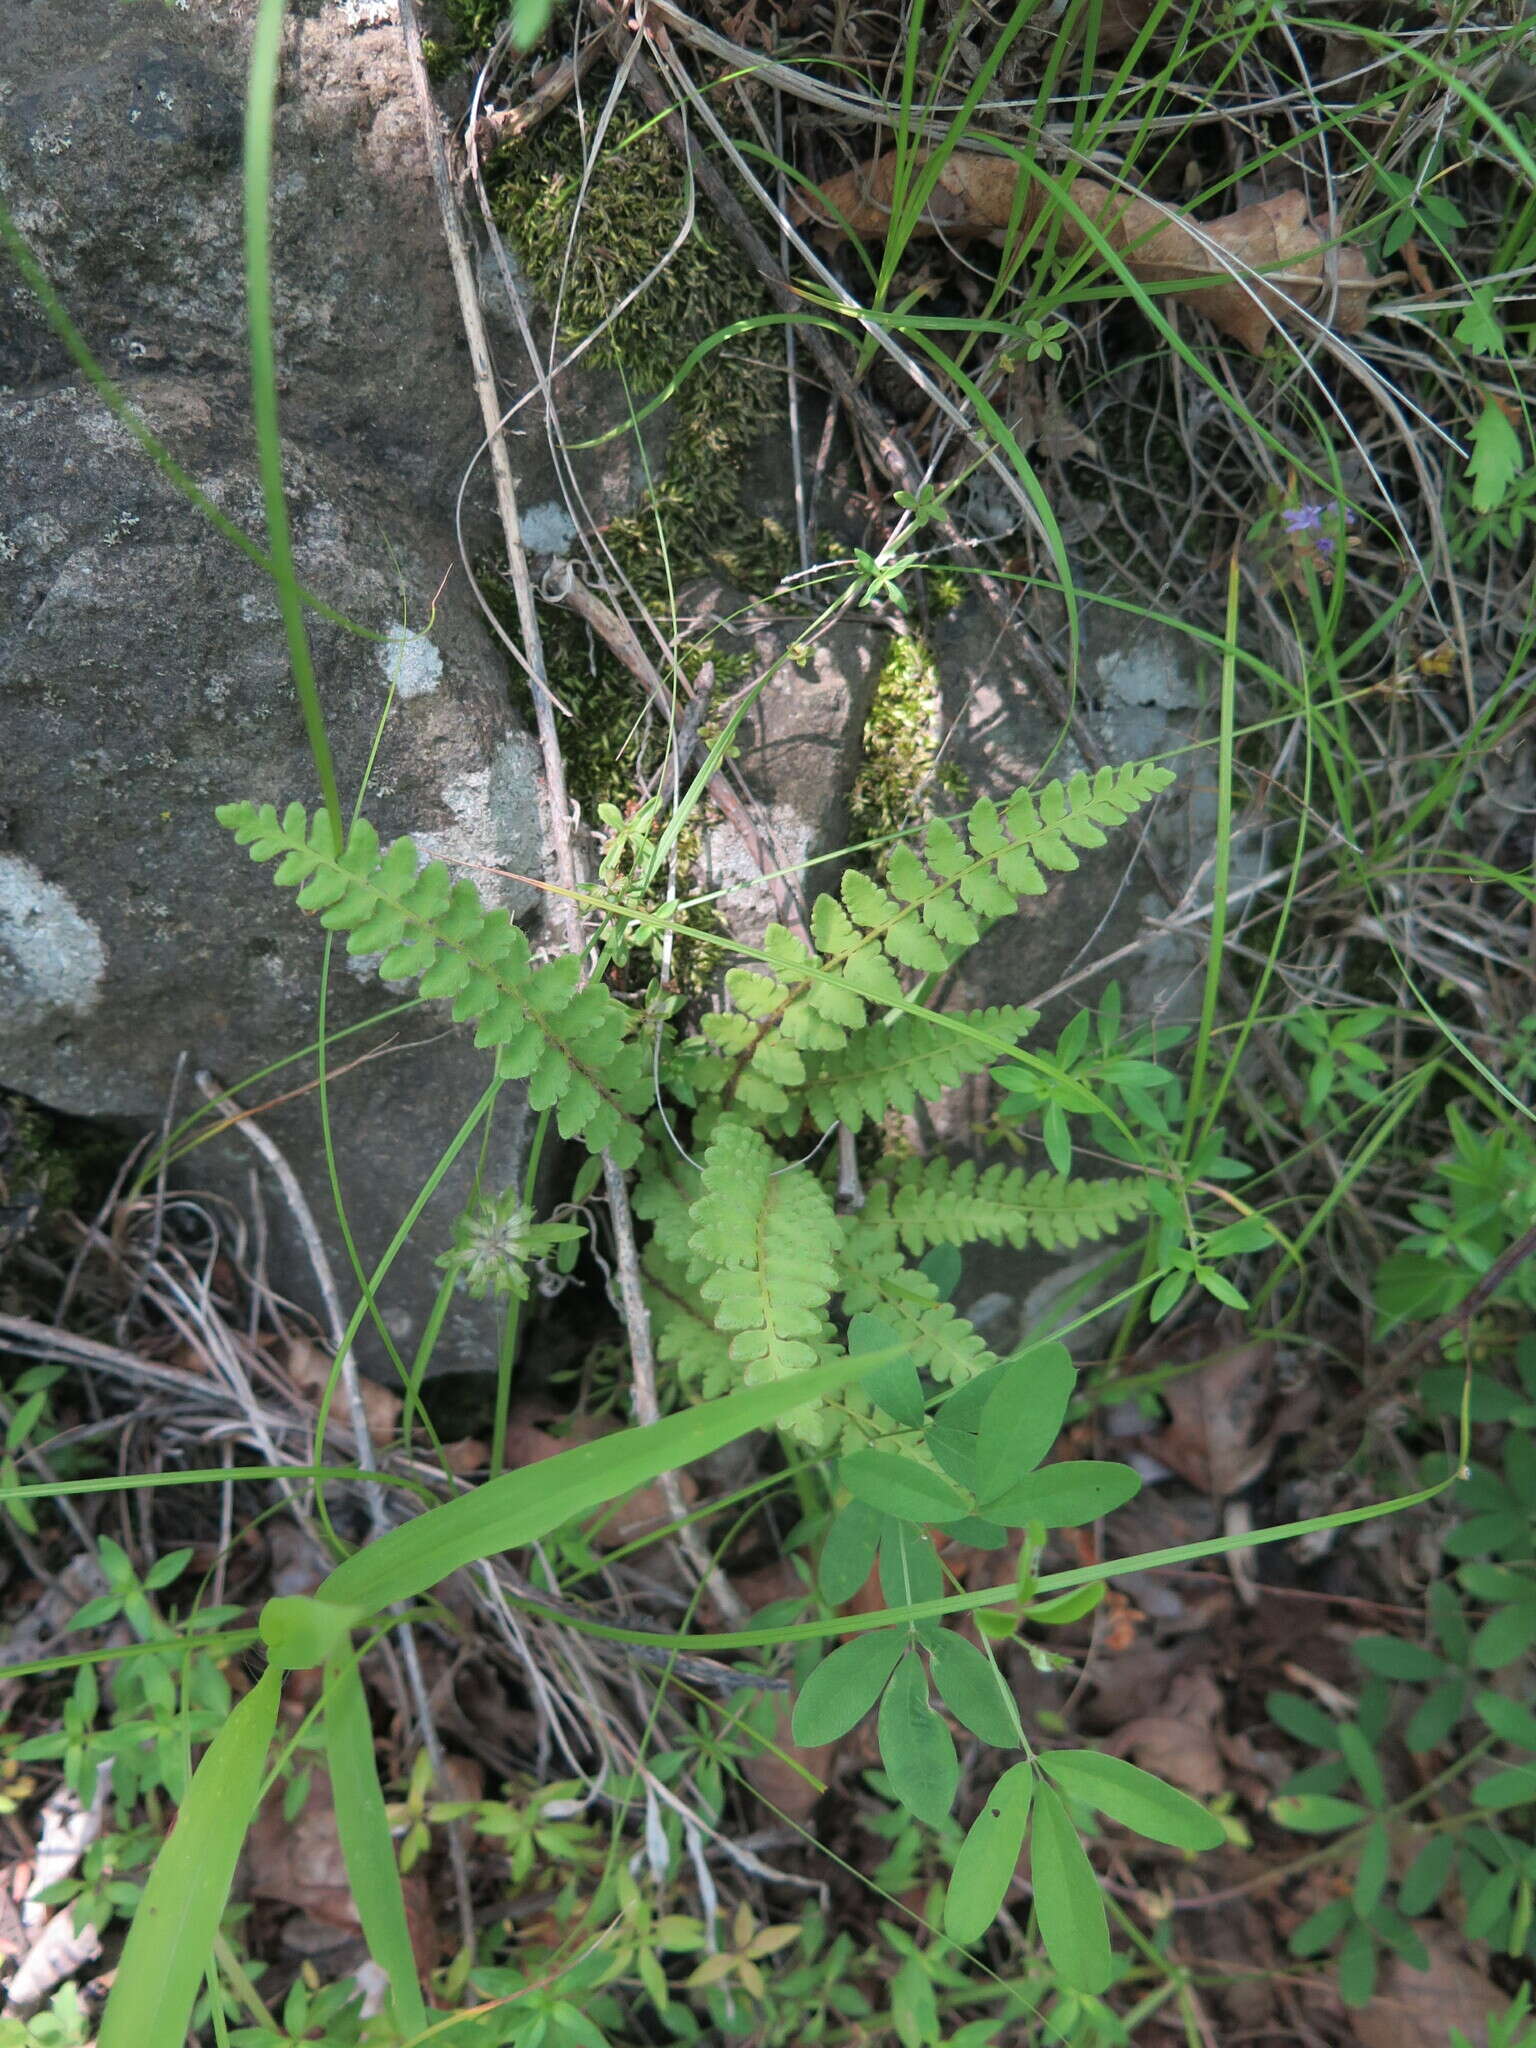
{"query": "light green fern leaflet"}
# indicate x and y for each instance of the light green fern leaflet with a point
(765, 1245)
(937, 1201)
(573, 1045)
(896, 1065)
(934, 906)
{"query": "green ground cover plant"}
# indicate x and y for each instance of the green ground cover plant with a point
(1334, 1107)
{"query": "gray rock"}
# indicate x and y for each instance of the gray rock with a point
(144, 680)
(142, 668)
(798, 752)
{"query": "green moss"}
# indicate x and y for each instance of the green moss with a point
(470, 28)
(694, 521)
(631, 211)
(901, 736)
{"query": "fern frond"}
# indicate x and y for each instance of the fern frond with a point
(934, 904)
(572, 1045)
(934, 1201)
(896, 1064)
(764, 1246)
(940, 1341)
(683, 1329)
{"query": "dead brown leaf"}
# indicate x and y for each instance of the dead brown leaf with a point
(1418, 2008)
(1283, 256)
(1179, 1741)
(299, 1863)
(309, 1367)
(789, 1777)
(1214, 1439)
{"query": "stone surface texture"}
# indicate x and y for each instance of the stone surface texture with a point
(143, 674)
(798, 751)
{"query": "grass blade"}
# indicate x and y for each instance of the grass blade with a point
(522, 1506)
(167, 1948)
(363, 1825)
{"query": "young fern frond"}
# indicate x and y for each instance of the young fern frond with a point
(572, 1045)
(683, 1328)
(939, 1201)
(933, 907)
(940, 1341)
(894, 1065)
(765, 1245)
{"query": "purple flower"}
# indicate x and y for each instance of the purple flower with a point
(1302, 518)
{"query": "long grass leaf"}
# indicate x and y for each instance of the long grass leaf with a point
(167, 1948)
(522, 1506)
(363, 1825)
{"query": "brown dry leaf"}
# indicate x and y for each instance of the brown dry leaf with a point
(1179, 1741)
(790, 1777)
(1213, 1439)
(299, 1863)
(309, 1367)
(466, 1457)
(978, 195)
(1418, 2008)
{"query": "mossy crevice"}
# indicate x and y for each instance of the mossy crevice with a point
(584, 247)
(901, 769)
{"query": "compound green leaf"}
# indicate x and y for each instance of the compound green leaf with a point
(896, 1486)
(915, 1746)
(1391, 1657)
(1425, 1877)
(973, 1689)
(1372, 1870)
(988, 1857)
(1134, 1798)
(1065, 1495)
(1510, 1721)
(894, 1386)
(848, 1552)
(843, 1687)
(1315, 1813)
(1068, 1907)
(910, 1572)
(1357, 1968)
(1320, 1930)
(1514, 1787)
(1505, 1635)
(1023, 1417)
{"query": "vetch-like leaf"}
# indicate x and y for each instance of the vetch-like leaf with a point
(916, 1748)
(1068, 1907)
(1023, 1417)
(972, 1688)
(1066, 1495)
(843, 1687)
(1514, 1787)
(896, 1486)
(848, 1552)
(988, 1857)
(1315, 1813)
(1133, 1797)
(895, 1385)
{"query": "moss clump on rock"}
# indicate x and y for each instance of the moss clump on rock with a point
(625, 218)
(901, 768)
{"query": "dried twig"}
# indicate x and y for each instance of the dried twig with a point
(551, 89)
